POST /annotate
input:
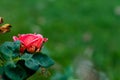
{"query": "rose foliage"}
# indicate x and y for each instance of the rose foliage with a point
(23, 57)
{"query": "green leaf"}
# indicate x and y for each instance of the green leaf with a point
(43, 60)
(10, 63)
(29, 61)
(16, 48)
(34, 61)
(32, 64)
(10, 49)
(26, 56)
(17, 73)
(16, 45)
(5, 49)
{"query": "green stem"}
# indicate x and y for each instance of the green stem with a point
(16, 59)
(2, 61)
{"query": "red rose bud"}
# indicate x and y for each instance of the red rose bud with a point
(30, 42)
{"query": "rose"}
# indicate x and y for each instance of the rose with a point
(30, 42)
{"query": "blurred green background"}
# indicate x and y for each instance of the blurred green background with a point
(84, 35)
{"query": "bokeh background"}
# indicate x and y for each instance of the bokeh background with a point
(84, 35)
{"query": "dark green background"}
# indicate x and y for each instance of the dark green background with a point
(65, 23)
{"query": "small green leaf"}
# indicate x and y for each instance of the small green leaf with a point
(29, 61)
(16, 48)
(17, 73)
(43, 60)
(32, 64)
(26, 56)
(16, 45)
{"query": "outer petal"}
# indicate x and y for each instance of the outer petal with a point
(38, 43)
(27, 39)
(15, 38)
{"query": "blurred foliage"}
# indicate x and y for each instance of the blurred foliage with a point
(15, 66)
(71, 26)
